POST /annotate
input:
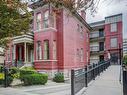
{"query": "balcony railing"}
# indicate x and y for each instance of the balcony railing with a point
(94, 35)
(97, 34)
(94, 48)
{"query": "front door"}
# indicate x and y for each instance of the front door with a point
(114, 58)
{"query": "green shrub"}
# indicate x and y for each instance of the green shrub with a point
(1, 69)
(16, 75)
(14, 70)
(1, 76)
(28, 68)
(9, 79)
(125, 59)
(59, 77)
(33, 79)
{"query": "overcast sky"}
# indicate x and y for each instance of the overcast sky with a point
(110, 7)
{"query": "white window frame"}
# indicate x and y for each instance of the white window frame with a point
(113, 43)
(113, 27)
(46, 19)
(38, 21)
(38, 50)
(46, 50)
(54, 50)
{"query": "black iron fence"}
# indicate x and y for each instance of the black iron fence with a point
(124, 81)
(81, 77)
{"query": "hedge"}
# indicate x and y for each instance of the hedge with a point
(35, 78)
(59, 77)
(26, 72)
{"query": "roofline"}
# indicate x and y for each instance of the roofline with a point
(102, 21)
(82, 20)
(114, 15)
(76, 14)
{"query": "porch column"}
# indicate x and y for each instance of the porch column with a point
(14, 52)
(25, 52)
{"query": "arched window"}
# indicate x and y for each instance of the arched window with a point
(46, 19)
(38, 21)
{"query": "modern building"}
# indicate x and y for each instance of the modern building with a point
(59, 41)
(106, 39)
(125, 47)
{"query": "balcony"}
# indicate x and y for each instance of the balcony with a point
(97, 36)
(96, 50)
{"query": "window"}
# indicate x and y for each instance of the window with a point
(38, 21)
(101, 32)
(46, 49)
(81, 55)
(39, 50)
(78, 28)
(113, 27)
(54, 50)
(46, 19)
(113, 42)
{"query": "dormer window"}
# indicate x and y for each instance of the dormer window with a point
(46, 19)
(38, 21)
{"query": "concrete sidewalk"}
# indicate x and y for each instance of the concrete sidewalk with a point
(107, 84)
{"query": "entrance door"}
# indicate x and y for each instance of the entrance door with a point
(101, 58)
(114, 58)
(101, 46)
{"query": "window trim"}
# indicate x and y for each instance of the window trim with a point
(112, 27)
(38, 21)
(46, 19)
(38, 50)
(46, 50)
(113, 42)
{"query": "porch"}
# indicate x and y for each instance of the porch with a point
(23, 50)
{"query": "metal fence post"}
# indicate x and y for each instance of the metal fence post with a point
(72, 83)
(93, 71)
(5, 77)
(86, 83)
(98, 69)
(124, 82)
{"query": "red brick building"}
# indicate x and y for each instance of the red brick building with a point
(106, 39)
(59, 41)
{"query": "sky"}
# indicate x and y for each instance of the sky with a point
(108, 8)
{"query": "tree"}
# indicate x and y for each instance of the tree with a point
(14, 19)
(72, 5)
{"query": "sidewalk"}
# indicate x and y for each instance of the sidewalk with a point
(107, 84)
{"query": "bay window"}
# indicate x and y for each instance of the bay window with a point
(39, 50)
(38, 21)
(54, 50)
(46, 49)
(46, 19)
